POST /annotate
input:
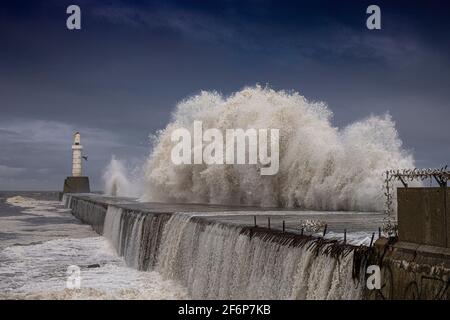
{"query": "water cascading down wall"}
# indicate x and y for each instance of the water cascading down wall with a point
(216, 260)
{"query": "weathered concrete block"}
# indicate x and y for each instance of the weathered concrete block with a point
(410, 271)
(76, 185)
(423, 216)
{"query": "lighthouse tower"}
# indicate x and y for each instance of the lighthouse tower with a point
(77, 183)
(77, 150)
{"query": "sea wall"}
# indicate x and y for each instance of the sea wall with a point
(417, 266)
(411, 271)
(89, 212)
(216, 260)
(221, 261)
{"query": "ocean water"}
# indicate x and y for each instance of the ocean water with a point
(45, 250)
(40, 240)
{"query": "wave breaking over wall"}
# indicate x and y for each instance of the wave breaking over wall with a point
(216, 261)
(223, 261)
(135, 235)
(321, 167)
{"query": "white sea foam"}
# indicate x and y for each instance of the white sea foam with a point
(38, 221)
(39, 272)
(46, 239)
(321, 167)
(36, 205)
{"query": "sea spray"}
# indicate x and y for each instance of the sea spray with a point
(321, 167)
(120, 180)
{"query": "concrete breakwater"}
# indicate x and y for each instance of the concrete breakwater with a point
(218, 252)
(417, 264)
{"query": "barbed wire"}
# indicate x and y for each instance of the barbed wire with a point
(441, 175)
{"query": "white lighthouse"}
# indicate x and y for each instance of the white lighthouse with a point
(77, 150)
(76, 183)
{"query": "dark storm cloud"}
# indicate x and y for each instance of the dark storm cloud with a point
(118, 79)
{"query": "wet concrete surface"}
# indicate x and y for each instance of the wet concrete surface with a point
(337, 221)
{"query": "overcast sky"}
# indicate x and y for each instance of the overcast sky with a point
(118, 79)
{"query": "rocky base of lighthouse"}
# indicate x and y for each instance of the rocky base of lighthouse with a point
(76, 185)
